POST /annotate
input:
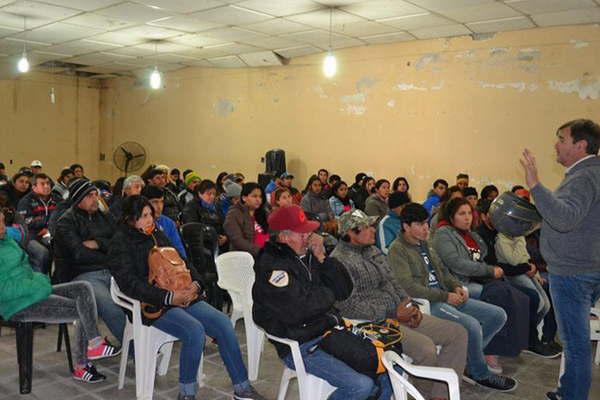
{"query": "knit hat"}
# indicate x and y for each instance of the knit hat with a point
(78, 189)
(191, 177)
(232, 189)
(397, 199)
(153, 192)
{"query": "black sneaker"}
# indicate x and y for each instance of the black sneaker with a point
(552, 396)
(543, 350)
(88, 374)
(248, 394)
(500, 383)
(554, 345)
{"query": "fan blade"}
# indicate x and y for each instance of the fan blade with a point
(139, 155)
(127, 153)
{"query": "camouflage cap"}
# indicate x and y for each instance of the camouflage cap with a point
(354, 219)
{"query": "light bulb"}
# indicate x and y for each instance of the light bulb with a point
(23, 65)
(329, 65)
(52, 96)
(155, 79)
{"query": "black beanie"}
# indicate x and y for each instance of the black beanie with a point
(153, 192)
(78, 189)
(397, 199)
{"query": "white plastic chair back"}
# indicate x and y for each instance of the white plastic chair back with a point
(148, 343)
(402, 386)
(595, 333)
(236, 275)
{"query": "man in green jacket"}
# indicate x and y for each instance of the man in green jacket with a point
(422, 274)
(28, 296)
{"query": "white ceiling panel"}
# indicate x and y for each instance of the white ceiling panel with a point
(171, 58)
(57, 33)
(227, 62)
(232, 34)
(224, 50)
(33, 10)
(199, 63)
(365, 28)
(338, 3)
(134, 12)
(92, 59)
(320, 19)
(418, 21)
(147, 32)
(388, 38)
(98, 21)
(133, 51)
(261, 59)
(162, 47)
(231, 15)
(480, 12)
(377, 9)
(85, 5)
(548, 6)
(185, 24)
(79, 47)
(13, 46)
(116, 38)
(96, 69)
(298, 51)
(182, 6)
(270, 42)
(277, 26)
(580, 16)
(342, 44)
(441, 31)
(315, 36)
(439, 5)
(499, 25)
(8, 31)
(280, 8)
(121, 66)
(197, 40)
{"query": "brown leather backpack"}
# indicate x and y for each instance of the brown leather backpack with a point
(168, 271)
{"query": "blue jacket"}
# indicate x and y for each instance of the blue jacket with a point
(168, 227)
(388, 229)
(431, 202)
(337, 206)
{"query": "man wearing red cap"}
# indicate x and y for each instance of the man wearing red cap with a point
(294, 294)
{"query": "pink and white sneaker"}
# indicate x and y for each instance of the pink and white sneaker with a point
(103, 350)
(88, 374)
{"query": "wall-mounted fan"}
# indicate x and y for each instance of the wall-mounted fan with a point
(129, 157)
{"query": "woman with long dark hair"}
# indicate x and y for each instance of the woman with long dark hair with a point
(376, 204)
(401, 185)
(219, 182)
(339, 201)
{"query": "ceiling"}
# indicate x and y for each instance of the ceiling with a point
(104, 37)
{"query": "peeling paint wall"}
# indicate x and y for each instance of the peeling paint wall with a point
(423, 109)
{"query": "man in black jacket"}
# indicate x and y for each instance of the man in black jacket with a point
(81, 245)
(294, 294)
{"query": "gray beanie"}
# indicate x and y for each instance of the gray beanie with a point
(232, 189)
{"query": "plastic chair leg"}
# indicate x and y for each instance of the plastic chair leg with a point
(165, 358)
(65, 335)
(24, 335)
(287, 375)
(127, 338)
(254, 341)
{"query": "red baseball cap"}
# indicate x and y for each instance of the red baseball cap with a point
(291, 218)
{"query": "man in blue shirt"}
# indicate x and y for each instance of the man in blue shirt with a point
(435, 196)
(389, 227)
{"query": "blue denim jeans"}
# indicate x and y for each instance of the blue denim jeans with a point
(482, 321)
(475, 290)
(573, 295)
(350, 384)
(112, 315)
(191, 325)
(39, 256)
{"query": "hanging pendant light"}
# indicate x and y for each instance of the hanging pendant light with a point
(155, 76)
(330, 62)
(23, 64)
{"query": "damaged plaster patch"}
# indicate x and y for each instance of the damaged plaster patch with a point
(498, 51)
(579, 44)
(365, 82)
(468, 54)
(224, 107)
(519, 86)
(528, 55)
(586, 88)
(426, 60)
(391, 103)
(354, 104)
(404, 87)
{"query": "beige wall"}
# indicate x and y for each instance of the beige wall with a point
(58, 134)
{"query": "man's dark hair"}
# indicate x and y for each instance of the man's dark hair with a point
(584, 129)
(487, 190)
(516, 187)
(381, 182)
(17, 176)
(483, 206)
(413, 212)
(359, 177)
(462, 176)
(204, 186)
(152, 173)
(452, 207)
(323, 170)
(440, 182)
(41, 176)
(64, 173)
(153, 192)
(175, 171)
(470, 191)
(2, 166)
(334, 178)
(75, 166)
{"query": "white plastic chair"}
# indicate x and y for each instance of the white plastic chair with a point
(402, 386)
(148, 343)
(310, 386)
(236, 275)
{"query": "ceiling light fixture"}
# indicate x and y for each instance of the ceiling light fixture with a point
(155, 76)
(23, 64)
(330, 62)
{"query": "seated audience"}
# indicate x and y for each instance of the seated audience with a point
(401, 185)
(132, 185)
(282, 197)
(158, 177)
(323, 176)
(462, 181)
(246, 222)
(81, 248)
(452, 193)
(339, 202)
(202, 209)
(294, 294)
(15, 190)
(229, 197)
(287, 180)
(470, 193)
(314, 203)
(61, 189)
(192, 180)
(77, 170)
(219, 182)
(376, 204)
(377, 295)
(35, 209)
(28, 296)
(390, 225)
(355, 190)
(184, 313)
(36, 167)
(3, 176)
(176, 184)
(420, 271)
(489, 192)
(156, 197)
(435, 196)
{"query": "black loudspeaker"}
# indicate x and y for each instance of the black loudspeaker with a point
(275, 162)
(264, 180)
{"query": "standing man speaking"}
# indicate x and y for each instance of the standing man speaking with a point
(570, 243)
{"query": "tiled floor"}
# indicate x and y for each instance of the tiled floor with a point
(51, 379)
